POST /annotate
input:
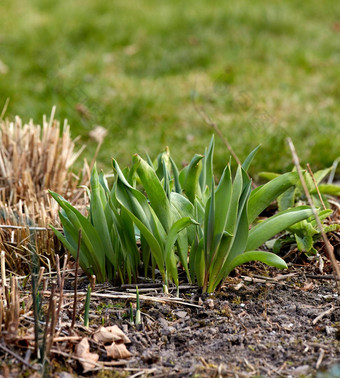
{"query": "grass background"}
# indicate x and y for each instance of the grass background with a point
(262, 71)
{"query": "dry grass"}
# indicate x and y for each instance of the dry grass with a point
(34, 159)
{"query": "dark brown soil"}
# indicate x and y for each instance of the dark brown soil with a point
(261, 323)
(267, 329)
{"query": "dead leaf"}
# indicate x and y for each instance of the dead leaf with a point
(117, 351)
(83, 351)
(307, 286)
(110, 334)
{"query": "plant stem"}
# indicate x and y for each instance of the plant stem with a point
(76, 282)
(329, 247)
(87, 307)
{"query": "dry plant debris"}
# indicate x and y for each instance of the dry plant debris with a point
(114, 341)
(33, 160)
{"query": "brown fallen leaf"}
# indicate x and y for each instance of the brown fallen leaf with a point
(307, 286)
(117, 351)
(83, 351)
(110, 334)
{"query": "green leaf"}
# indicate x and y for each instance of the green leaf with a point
(152, 241)
(321, 174)
(237, 245)
(303, 228)
(206, 175)
(266, 257)
(224, 218)
(197, 261)
(286, 199)
(141, 214)
(281, 242)
(186, 209)
(178, 188)
(330, 189)
(170, 242)
(269, 175)
(190, 178)
(155, 192)
(89, 235)
(264, 195)
(97, 205)
(323, 214)
(249, 159)
(275, 224)
(331, 228)
(304, 243)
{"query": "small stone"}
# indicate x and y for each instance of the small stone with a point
(181, 314)
(329, 330)
(163, 323)
(301, 370)
(213, 330)
(171, 330)
(64, 374)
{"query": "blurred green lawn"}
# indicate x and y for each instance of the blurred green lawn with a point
(262, 70)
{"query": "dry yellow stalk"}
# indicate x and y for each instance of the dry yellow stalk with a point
(33, 160)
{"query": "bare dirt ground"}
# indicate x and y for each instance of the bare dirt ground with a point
(283, 327)
(261, 323)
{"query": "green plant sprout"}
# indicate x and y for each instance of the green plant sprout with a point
(182, 218)
(305, 233)
(87, 306)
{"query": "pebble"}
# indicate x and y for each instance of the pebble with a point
(301, 370)
(329, 330)
(65, 375)
(163, 323)
(213, 330)
(181, 314)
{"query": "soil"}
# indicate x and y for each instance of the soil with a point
(261, 323)
(248, 329)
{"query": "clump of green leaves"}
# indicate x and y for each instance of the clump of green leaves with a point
(159, 218)
(182, 218)
(295, 194)
(108, 247)
(226, 212)
(305, 233)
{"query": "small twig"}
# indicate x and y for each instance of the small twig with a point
(145, 372)
(3, 347)
(96, 154)
(319, 361)
(321, 276)
(53, 325)
(66, 338)
(61, 287)
(47, 323)
(41, 274)
(316, 186)
(14, 227)
(131, 297)
(76, 281)
(74, 357)
(329, 247)
(3, 278)
(57, 258)
(327, 312)
(3, 268)
(214, 126)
